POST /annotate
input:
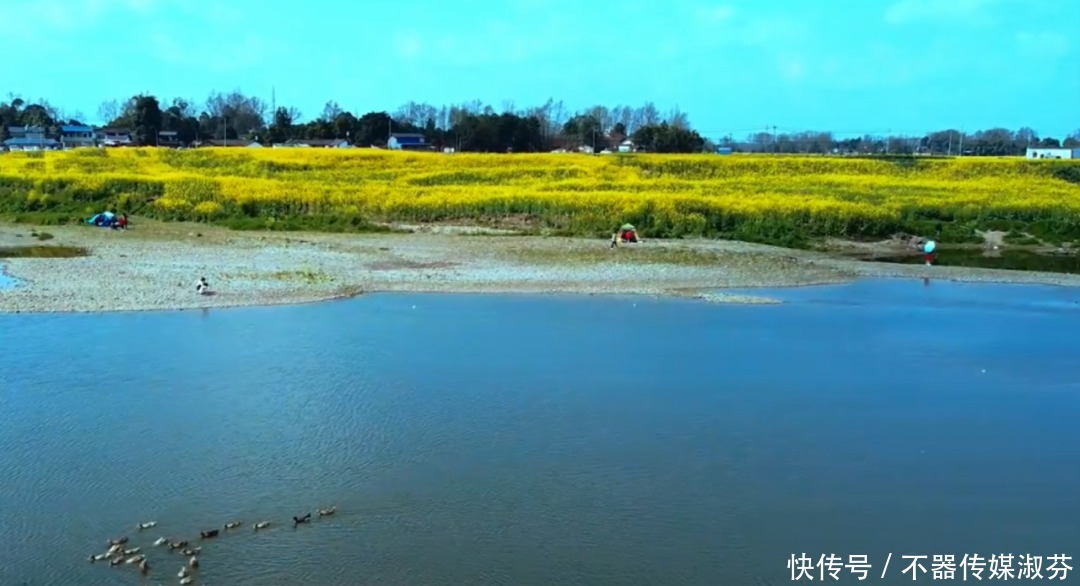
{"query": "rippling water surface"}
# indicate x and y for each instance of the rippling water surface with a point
(544, 441)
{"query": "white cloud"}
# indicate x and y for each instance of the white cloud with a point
(792, 68)
(492, 42)
(209, 55)
(408, 46)
(952, 11)
(1046, 43)
(714, 14)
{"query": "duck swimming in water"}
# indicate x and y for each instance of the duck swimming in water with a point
(144, 567)
(183, 573)
(298, 520)
(188, 551)
(160, 541)
(261, 525)
(186, 581)
(117, 548)
(326, 512)
(116, 561)
(178, 544)
(132, 551)
(232, 524)
(147, 525)
(98, 557)
(208, 534)
(118, 541)
(193, 562)
(135, 560)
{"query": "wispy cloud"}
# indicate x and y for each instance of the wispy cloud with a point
(715, 13)
(493, 42)
(208, 54)
(47, 16)
(940, 11)
(1046, 43)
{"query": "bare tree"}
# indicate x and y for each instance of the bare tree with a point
(557, 117)
(602, 115)
(331, 111)
(1027, 136)
(244, 114)
(109, 111)
(646, 115)
(623, 115)
(677, 118)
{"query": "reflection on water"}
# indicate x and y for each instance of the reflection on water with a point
(517, 440)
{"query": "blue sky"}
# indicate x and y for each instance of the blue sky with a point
(852, 66)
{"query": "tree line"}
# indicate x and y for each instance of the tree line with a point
(990, 142)
(479, 127)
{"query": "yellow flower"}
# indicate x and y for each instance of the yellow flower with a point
(663, 194)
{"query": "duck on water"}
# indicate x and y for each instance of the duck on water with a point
(118, 554)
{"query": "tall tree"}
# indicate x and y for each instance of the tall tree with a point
(147, 119)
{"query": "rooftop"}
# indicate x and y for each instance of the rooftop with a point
(75, 128)
(30, 142)
(317, 141)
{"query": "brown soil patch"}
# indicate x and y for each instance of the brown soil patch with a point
(404, 264)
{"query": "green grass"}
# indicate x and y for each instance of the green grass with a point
(307, 276)
(1021, 239)
(623, 254)
(42, 251)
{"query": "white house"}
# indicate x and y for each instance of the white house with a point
(115, 137)
(336, 143)
(627, 146)
(1053, 153)
(29, 138)
(407, 141)
(76, 135)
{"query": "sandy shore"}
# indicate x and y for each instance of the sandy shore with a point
(154, 266)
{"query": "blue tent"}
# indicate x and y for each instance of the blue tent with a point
(104, 219)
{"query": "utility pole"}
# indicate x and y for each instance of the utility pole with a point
(273, 101)
(960, 151)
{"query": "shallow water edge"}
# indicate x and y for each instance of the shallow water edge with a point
(156, 270)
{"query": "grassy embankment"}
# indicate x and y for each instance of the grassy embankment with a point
(785, 200)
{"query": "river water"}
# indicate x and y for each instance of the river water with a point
(545, 440)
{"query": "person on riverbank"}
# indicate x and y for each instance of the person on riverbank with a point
(627, 233)
(202, 287)
(928, 252)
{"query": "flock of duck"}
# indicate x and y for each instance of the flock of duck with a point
(120, 554)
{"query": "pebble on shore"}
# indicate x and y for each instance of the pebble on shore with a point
(134, 273)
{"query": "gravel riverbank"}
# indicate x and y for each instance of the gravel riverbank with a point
(154, 266)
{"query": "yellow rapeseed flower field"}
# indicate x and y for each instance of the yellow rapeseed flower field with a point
(784, 199)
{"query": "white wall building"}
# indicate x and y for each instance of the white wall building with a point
(1053, 153)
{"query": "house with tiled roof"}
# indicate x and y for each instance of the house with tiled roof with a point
(77, 135)
(29, 138)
